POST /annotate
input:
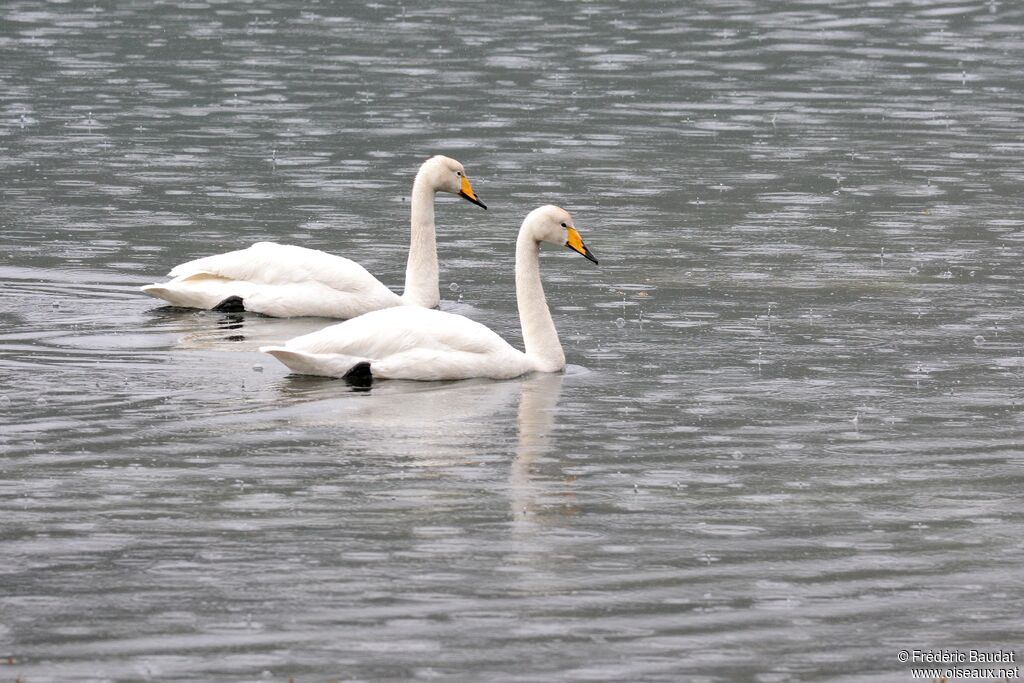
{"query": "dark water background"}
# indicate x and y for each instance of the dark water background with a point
(789, 444)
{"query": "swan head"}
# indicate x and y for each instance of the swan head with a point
(555, 225)
(445, 174)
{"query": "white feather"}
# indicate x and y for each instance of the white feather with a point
(278, 280)
(425, 344)
(404, 343)
(288, 281)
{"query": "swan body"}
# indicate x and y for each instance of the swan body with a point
(278, 280)
(288, 281)
(426, 344)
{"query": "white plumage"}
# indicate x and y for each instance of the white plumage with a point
(278, 280)
(424, 344)
(288, 281)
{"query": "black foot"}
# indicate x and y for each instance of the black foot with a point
(233, 304)
(359, 375)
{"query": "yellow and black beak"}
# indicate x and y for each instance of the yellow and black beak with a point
(575, 242)
(467, 193)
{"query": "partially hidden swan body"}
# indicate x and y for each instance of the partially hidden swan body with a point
(287, 281)
(425, 344)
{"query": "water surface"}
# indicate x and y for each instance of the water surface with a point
(788, 443)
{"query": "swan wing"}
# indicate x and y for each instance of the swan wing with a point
(279, 264)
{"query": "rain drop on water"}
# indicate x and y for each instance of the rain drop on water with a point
(4, 401)
(979, 340)
(914, 270)
(620, 323)
(257, 368)
(454, 286)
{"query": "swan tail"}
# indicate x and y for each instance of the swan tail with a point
(172, 295)
(322, 364)
(201, 290)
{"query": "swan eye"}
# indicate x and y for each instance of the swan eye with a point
(564, 225)
(458, 173)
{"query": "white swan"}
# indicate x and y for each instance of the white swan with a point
(286, 281)
(425, 344)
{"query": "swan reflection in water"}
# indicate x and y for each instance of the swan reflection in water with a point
(535, 421)
(439, 424)
(228, 331)
(455, 422)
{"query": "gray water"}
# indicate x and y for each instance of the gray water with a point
(788, 444)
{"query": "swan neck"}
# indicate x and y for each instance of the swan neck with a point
(421, 271)
(539, 334)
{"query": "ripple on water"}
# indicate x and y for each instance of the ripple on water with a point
(798, 422)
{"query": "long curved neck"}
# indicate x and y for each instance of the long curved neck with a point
(539, 334)
(421, 272)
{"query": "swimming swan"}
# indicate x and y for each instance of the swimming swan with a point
(425, 344)
(286, 281)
